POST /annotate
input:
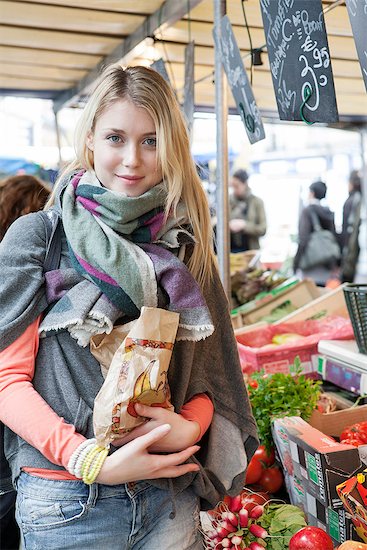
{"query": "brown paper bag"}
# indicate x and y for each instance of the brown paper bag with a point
(137, 372)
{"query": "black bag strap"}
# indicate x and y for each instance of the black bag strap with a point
(315, 220)
(53, 228)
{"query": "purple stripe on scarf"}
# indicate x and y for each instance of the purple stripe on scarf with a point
(155, 224)
(93, 271)
(76, 179)
(175, 278)
(89, 205)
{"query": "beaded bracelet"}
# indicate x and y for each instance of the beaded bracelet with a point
(74, 457)
(87, 460)
(90, 475)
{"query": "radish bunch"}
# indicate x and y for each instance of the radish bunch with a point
(236, 528)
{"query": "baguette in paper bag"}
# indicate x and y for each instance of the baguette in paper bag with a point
(137, 374)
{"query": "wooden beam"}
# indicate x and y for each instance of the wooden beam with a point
(169, 12)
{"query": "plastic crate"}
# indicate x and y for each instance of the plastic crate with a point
(356, 300)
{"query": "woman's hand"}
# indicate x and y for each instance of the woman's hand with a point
(133, 462)
(183, 433)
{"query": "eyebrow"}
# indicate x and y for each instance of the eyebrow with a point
(120, 131)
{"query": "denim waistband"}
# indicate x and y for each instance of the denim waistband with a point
(35, 486)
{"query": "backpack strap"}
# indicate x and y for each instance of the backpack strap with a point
(53, 228)
(315, 220)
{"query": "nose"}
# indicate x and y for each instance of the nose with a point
(131, 155)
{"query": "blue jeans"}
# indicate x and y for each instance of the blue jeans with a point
(66, 515)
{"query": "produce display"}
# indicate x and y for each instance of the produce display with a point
(248, 283)
(277, 395)
(355, 435)
(248, 522)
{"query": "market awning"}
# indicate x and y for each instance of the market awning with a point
(55, 49)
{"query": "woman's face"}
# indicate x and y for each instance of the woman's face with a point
(124, 149)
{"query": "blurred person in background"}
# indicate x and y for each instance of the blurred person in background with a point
(320, 273)
(19, 195)
(247, 220)
(348, 238)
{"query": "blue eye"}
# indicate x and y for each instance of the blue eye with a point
(152, 142)
(114, 139)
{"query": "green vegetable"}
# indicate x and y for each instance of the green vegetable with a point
(281, 522)
(278, 395)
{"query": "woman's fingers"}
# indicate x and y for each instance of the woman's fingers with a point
(146, 440)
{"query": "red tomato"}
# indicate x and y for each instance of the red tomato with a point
(253, 472)
(356, 431)
(264, 456)
(271, 479)
(311, 538)
(351, 441)
(250, 500)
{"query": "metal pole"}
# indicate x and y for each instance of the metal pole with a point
(221, 109)
(58, 140)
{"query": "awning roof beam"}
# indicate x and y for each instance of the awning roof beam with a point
(167, 14)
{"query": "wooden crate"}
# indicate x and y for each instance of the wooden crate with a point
(330, 303)
(300, 294)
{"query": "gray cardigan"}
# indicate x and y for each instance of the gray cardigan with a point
(68, 377)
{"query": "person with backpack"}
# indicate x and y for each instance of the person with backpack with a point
(135, 232)
(313, 258)
(19, 195)
(350, 229)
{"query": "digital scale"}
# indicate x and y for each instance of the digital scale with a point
(341, 363)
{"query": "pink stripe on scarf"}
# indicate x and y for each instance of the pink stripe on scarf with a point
(155, 224)
(89, 205)
(93, 271)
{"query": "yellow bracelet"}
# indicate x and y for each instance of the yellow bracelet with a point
(90, 476)
(89, 459)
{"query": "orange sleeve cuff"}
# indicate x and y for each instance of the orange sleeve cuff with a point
(199, 409)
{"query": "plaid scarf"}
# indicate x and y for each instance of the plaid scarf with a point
(122, 246)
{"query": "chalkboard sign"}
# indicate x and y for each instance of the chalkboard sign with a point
(238, 80)
(357, 10)
(299, 60)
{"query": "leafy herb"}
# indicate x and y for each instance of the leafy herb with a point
(278, 395)
(281, 522)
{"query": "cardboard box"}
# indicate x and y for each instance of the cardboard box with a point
(353, 494)
(334, 423)
(314, 465)
(329, 304)
(299, 294)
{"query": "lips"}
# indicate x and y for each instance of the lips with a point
(129, 178)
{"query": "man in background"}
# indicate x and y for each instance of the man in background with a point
(247, 215)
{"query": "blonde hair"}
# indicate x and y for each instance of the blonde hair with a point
(147, 89)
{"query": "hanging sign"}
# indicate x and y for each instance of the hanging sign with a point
(299, 60)
(188, 102)
(357, 10)
(238, 81)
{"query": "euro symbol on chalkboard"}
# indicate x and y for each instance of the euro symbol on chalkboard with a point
(248, 119)
(308, 94)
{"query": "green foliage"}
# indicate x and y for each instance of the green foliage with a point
(279, 395)
(281, 522)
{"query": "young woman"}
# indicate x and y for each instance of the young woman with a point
(137, 232)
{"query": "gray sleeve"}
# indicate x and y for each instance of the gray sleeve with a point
(22, 290)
